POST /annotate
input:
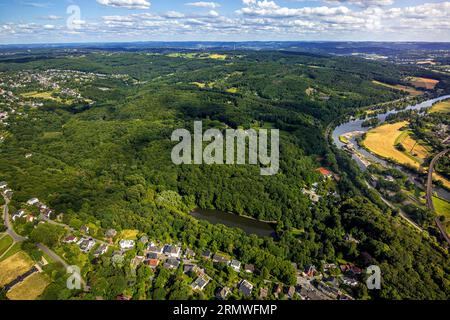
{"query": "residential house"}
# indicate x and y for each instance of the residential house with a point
(153, 248)
(33, 201)
(277, 289)
(219, 258)
(310, 271)
(137, 261)
(263, 293)
(245, 287)
(86, 245)
(223, 293)
(126, 244)
(172, 251)
(290, 292)
(71, 239)
(349, 282)
(19, 214)
(101, 250)
(188, 254)
(249, 268)
(172, 263)
(206, 254)
(236, 265)
(143, 239)
(325, 172)
(200, 283)
(153, 263)
(350, 269)
(3, 185)
(110, 233)
(29, 218)
(84, 229)
(151, 255)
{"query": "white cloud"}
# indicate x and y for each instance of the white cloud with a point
(129, 4)
(203, 4)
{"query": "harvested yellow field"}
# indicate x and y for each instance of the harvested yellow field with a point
(382, 140)
(441, 107)
(410, 90)
(30, 289)
(232, 90)
(437, 176)
(14, 266)
(425, 83)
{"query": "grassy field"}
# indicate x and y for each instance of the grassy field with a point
(442, 208)
(14, 266)
(441, 107)
(41, 95)
(5, 242)
(415, 149)
(128, 234)
(30, 289)
(12, 251)
(343, 139)
(425, 83)
(410, 90)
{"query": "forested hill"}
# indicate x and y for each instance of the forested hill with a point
(106, 161)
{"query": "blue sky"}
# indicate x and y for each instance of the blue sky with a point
(56, 21)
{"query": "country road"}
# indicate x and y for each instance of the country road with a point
(430, 194)
(10, 231)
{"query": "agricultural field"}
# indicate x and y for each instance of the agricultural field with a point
(424, 83)
(441, 107)
(412, 91)
(442, 208)
(382, 141)
(30, 289)
(14, 266)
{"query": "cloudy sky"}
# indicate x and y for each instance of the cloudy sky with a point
(57, 21)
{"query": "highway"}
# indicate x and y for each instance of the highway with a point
(430, 194)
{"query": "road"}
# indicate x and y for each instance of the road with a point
(10, 231)
(430, 194)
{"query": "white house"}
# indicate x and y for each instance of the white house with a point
(172, 251)
(236, 265)
(32, 201)
(3, 185)
(18, 214)
(126, 244)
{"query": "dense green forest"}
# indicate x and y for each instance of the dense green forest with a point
(108, 163)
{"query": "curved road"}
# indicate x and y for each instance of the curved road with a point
(430, 194)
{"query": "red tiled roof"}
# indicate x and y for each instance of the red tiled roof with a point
(153, 262)
(324, 171)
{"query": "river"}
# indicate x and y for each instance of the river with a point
(248, 225)
(356, 125)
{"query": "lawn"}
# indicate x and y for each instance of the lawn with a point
(442, 208)
(30, 289)
(5, 242)
(14, 266)
(441, 107)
